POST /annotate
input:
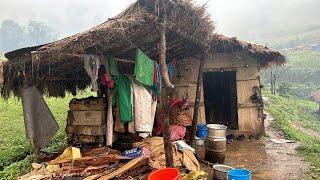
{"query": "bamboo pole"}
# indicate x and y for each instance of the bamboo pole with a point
(168, 87)
(197, 101)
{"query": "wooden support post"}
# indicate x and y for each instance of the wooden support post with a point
(197, 101)
(274, 83)
(168, 90)
(271, 79)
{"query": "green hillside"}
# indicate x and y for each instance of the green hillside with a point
(295, 38)
(300, 76)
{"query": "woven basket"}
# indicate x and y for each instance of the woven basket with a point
(180, 117)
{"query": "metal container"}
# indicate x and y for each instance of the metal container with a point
(218, 144)
(215, 149)
(216, 131)
(220, 172)
(199, 141)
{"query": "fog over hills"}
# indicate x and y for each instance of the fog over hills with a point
(252, 20)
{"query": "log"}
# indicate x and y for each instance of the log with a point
(168, 87)
(197, 101)
(162, 55)
(123, 169)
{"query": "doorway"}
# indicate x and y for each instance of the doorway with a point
(220, 98)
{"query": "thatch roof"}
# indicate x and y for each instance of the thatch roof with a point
(56, 67)
(263, 54)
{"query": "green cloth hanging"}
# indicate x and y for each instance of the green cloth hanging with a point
(111, 66)
(123, 88)
(144, 68)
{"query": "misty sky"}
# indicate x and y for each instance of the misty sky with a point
(246, 19)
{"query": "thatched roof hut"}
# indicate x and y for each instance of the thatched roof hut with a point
(57, 67)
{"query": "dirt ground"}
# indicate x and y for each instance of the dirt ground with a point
(265, 159)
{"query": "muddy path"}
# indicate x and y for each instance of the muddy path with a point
(283, 158)
(266, 159)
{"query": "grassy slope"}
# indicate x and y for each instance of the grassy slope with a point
(15, 150)
(285, 110)
(305, 36)
(301, 72)
(14, 146)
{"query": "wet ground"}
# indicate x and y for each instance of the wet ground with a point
(266, 159)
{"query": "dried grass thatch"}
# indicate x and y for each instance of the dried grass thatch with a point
(264, 55)
(57, 66)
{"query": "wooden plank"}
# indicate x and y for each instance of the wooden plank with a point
(247, 105)
(87, 105)
(190, 91)
(247, 73)
(123, 169)
(186, 71)
(245, 91)
(201, 115)
(249, 120)
(229, 62)
(86, 130)
(86, 118)
(186, 85)
(197, 100)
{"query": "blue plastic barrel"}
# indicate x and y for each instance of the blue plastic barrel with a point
(202, 131)
(239, 174)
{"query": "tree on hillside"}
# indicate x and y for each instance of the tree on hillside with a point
(14, 35)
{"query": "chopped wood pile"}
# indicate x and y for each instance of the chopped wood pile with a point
(105, 163)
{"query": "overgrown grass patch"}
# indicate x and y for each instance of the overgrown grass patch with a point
(14, 146)
(15, 149)
(285, 110)
(293, 109)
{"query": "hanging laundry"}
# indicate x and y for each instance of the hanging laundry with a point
(157, 81)
(144, 110)
(111, 66)
(39, 121)
(123, 88)
(91, 65)
(144, 68)
(172, 66)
